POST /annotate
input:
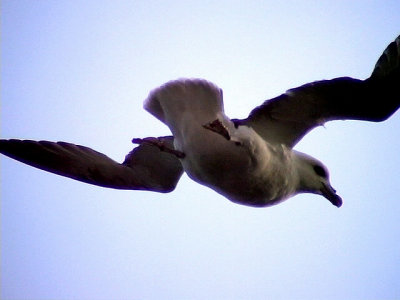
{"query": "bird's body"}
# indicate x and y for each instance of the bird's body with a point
(242, 166)
(247, 171)
(249, 161)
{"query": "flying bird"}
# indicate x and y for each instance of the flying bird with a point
(250, 161)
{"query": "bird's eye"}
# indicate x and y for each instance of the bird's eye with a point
(320, 171)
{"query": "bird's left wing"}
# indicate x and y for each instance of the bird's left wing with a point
(287, 118)
(144, 168)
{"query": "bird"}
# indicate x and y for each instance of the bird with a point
(250, 161)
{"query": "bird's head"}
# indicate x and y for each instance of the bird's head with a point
(314, 178)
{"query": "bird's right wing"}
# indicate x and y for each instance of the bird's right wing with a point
(288, 117)
(144, 168)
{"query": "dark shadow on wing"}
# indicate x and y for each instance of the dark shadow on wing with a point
(144, 168)
(287, 118)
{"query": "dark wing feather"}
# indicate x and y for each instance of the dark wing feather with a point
(144, 168)
(287, 118)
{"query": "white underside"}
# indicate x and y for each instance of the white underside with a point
(245, 169)
(248, 173)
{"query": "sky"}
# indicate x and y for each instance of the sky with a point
(78, 71)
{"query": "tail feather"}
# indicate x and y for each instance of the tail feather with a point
(195, 96)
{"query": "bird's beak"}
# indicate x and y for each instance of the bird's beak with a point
(330, 193)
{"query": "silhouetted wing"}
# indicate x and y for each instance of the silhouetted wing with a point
(144, 168)
(287, 118)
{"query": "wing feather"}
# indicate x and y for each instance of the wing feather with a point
(144, 168)
(287, 118)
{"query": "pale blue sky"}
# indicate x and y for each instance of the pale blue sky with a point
(78, 71)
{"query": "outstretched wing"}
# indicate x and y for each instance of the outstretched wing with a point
(144, 168)
(287, 118)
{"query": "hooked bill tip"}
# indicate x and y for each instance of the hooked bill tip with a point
(336, 200)
(339, 203)
(330, 193)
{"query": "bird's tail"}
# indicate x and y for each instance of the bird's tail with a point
(388, 65)
(178, 101)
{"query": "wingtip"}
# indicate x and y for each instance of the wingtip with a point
(389, 62)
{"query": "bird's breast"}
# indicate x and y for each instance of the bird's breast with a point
(244, 173)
